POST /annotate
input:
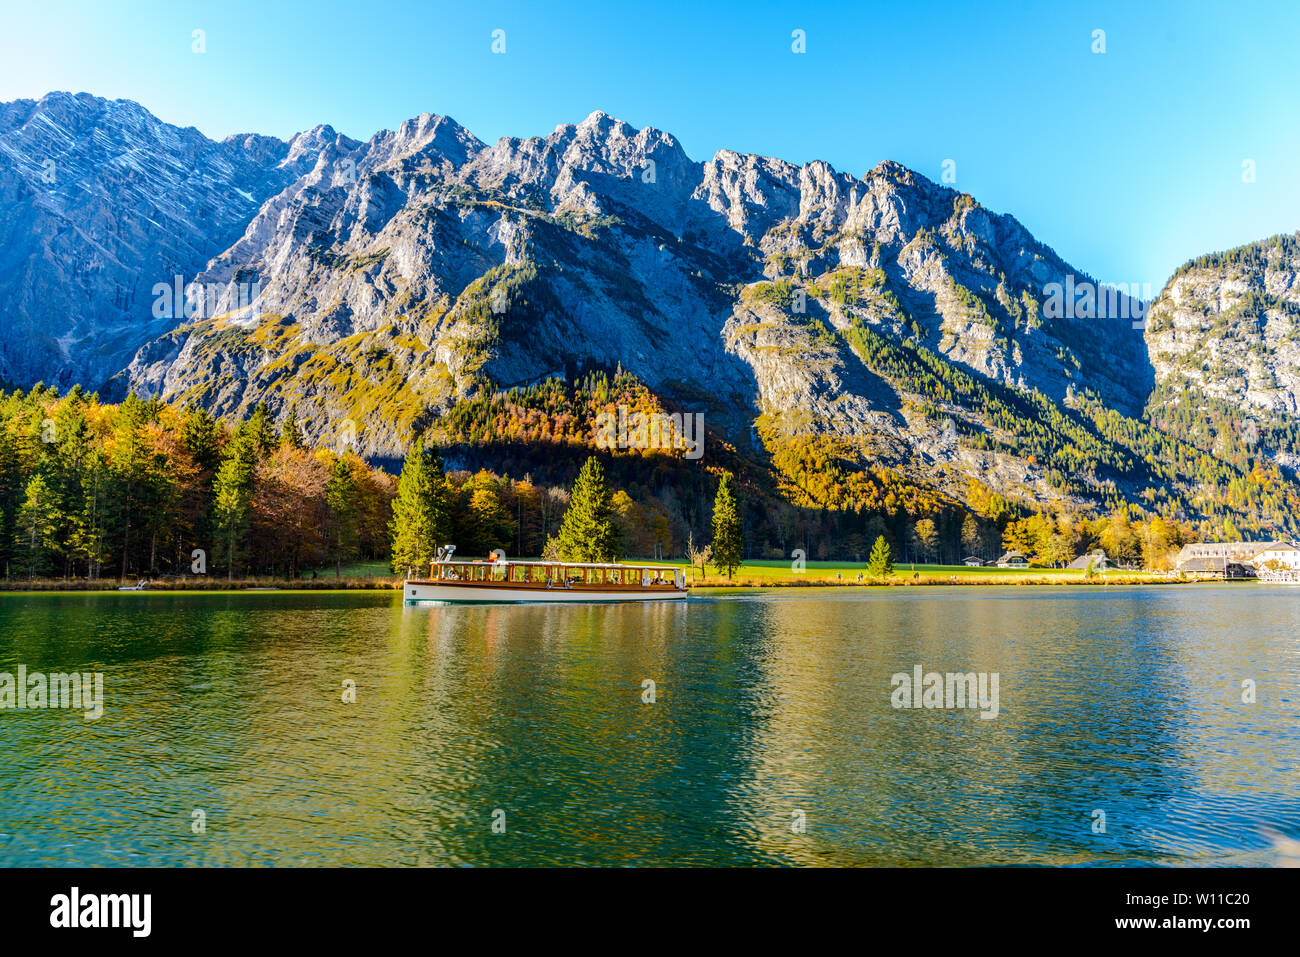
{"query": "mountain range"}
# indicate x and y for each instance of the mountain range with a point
(823, 324)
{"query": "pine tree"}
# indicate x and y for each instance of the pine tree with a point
(588, 532)
(128, 479)
(291, 434)
(420, 514)
(201, 438)
(233, 489)
(881, 563)
(340, 498)
(71, 452)
(726, 529)
(263, 430)
(88, 538)
(36, 544)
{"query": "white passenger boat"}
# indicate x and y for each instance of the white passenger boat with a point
(516, 581)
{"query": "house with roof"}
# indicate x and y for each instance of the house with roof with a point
(1217, 568)
(1221, 553)
(1096, 560)
(1278, 562)
(1013, 560)
(1283, 553)
(973, 562)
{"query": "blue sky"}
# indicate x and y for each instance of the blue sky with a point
(1128, 162)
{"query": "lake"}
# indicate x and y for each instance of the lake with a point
(530, 735)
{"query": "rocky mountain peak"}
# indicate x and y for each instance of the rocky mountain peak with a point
(110, 202)
(384, 282)
(1224, 342)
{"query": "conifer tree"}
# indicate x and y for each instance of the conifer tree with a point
(129, 466)
(881, 563)
(420, 511)
(38, 522)
(87, 542)
(588, 532)
(201, 438)
(263, 430)
(727, 543)
(291, 434)
(340, 498)
(233, 489)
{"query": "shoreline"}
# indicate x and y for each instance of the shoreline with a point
(98, 588)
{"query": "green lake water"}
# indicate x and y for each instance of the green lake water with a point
(772, 710)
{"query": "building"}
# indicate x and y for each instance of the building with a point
(973, 562)
(1278, 562)
(1221, 553)
(1096, 559)
(1283, 553)
(1217, 568)
(1013, 560)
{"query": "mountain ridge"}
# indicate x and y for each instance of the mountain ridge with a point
(398, 277)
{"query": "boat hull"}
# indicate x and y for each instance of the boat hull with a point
(485, 593)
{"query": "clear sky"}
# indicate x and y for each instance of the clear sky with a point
(1128, 162)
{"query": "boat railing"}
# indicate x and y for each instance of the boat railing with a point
(559, 574)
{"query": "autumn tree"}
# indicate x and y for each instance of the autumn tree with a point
(972, 538)
(926, 536)
(289, 512)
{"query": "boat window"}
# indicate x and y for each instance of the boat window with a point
(480, 573)
(519, 573)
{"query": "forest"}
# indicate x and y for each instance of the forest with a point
(90, 491)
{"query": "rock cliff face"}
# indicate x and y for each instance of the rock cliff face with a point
(99, 202)
(374, 285)
(1224, 342)
(398, 275)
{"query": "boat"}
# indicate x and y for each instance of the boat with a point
(527, 581)
(138, 586)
